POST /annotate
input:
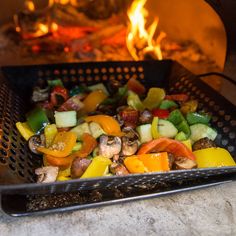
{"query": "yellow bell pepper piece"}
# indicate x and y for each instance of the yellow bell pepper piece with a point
(64, 173)
(154, 128)
(213, 157)
(62, 145)
(187, 143)
(108, 123)
(50, 132)
(154, 98)
(93, 100)
(24, 130)
(97, 168)
(63, 178)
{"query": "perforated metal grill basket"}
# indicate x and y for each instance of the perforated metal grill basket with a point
(17, 164)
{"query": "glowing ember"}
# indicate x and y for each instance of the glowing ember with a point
(140, 40)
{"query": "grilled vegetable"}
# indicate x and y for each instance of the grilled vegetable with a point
(24, 130)
(65, 119)
(213, 157)
(199, 131)
(166, 129)
(145, 133)
(37, 120)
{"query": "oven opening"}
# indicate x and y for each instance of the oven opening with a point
(51, 31)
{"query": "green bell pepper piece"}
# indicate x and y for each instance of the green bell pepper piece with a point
(176, 117)
(184, 127)
(55, 82)
(37, 119)
(167, 104)
(194, 118)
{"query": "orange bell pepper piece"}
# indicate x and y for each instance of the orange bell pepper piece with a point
(147, 163)
(93, 100)
(167, 145)
(89, 143)
(155, 161)
(135, 165)
(62, 145)
(108, 123)
(62, 162)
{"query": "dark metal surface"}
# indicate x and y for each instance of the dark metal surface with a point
(17, 164)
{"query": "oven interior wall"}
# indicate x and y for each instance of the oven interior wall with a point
(192, 20)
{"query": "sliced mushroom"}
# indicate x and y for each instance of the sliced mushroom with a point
(184, 163)
(47, 174)
(129, 147)
(79, 166)
(36, 141)
(109, 146)
(203, 143)
(39, 94)
(145, 117)
(171, 159)
(118, 169)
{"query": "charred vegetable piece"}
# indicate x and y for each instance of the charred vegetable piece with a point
(203, 143)
(194, 118)
(62, 146)
(72, 104)
(37, 119)
(79, 166)
(130, 117)
(213, 157)
(109, 146)
(58, 96)
(145, 117)
(166, 145)
(98, 167)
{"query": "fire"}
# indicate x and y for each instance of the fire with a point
(139, 39)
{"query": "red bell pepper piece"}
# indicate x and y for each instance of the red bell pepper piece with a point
(166, 145)
(161, 113)
(177, 97)
(58, 95)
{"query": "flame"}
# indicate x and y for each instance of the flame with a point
(29, 5)
(139, 39)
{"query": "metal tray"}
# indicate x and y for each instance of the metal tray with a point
(17, 164)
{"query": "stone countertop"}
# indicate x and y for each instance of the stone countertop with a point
(210, 211)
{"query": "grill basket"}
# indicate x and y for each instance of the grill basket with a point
(17, 164)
